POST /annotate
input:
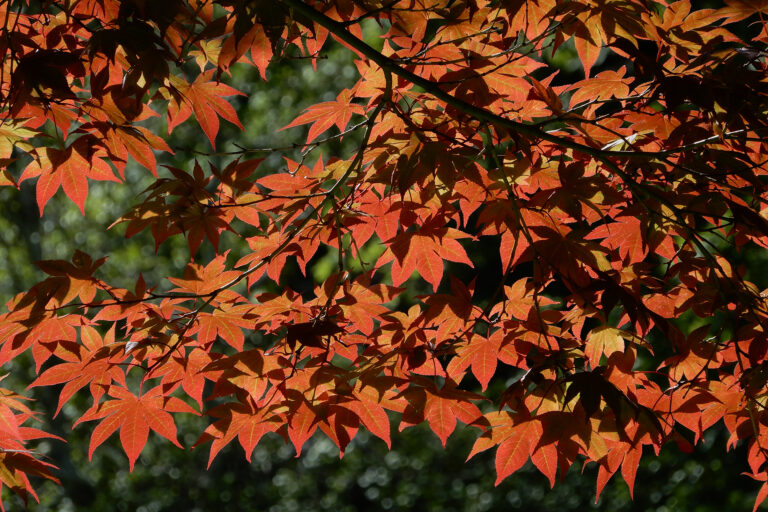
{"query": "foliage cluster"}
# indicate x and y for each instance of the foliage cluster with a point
(557, 232)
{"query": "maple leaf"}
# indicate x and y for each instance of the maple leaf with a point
(187, 371)
(14, 468)
(515, 450)
(341, 426)
(516, 437)
(134, 416)
(324, 115)
(237, 420)
(204, 98)
(423, 251)
(302, 423)
(625, 234)
(201, 280)
(371, 414)
(71, 280)
(440, 408)
(14, 134)
(588, 40)
(545, 458)
(236, 45)
(605, 85)
(84, 365)
(363, 303)
(116, 143)
(227, 323)
(443, 409)
(68, 169)
(481, 354)
(695, 355)
(603, 340)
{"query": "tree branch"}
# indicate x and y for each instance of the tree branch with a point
(339, 30)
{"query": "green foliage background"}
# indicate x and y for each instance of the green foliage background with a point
(416, 475)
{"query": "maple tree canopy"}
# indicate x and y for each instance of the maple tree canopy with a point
(614, 205)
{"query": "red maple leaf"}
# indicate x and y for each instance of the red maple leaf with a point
(205, 98)
(246, 422)
(324, 115)
(423, 251)
(134, 416)
(626, 234)
(84, 365)
(68, 169)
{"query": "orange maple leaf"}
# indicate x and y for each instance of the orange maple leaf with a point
(135, 416)
(324, 115)
(423, 251)
(204, 98)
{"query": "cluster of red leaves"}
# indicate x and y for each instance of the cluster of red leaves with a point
(612, 201)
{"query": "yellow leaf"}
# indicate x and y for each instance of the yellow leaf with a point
(603, 340)
(13, 133)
